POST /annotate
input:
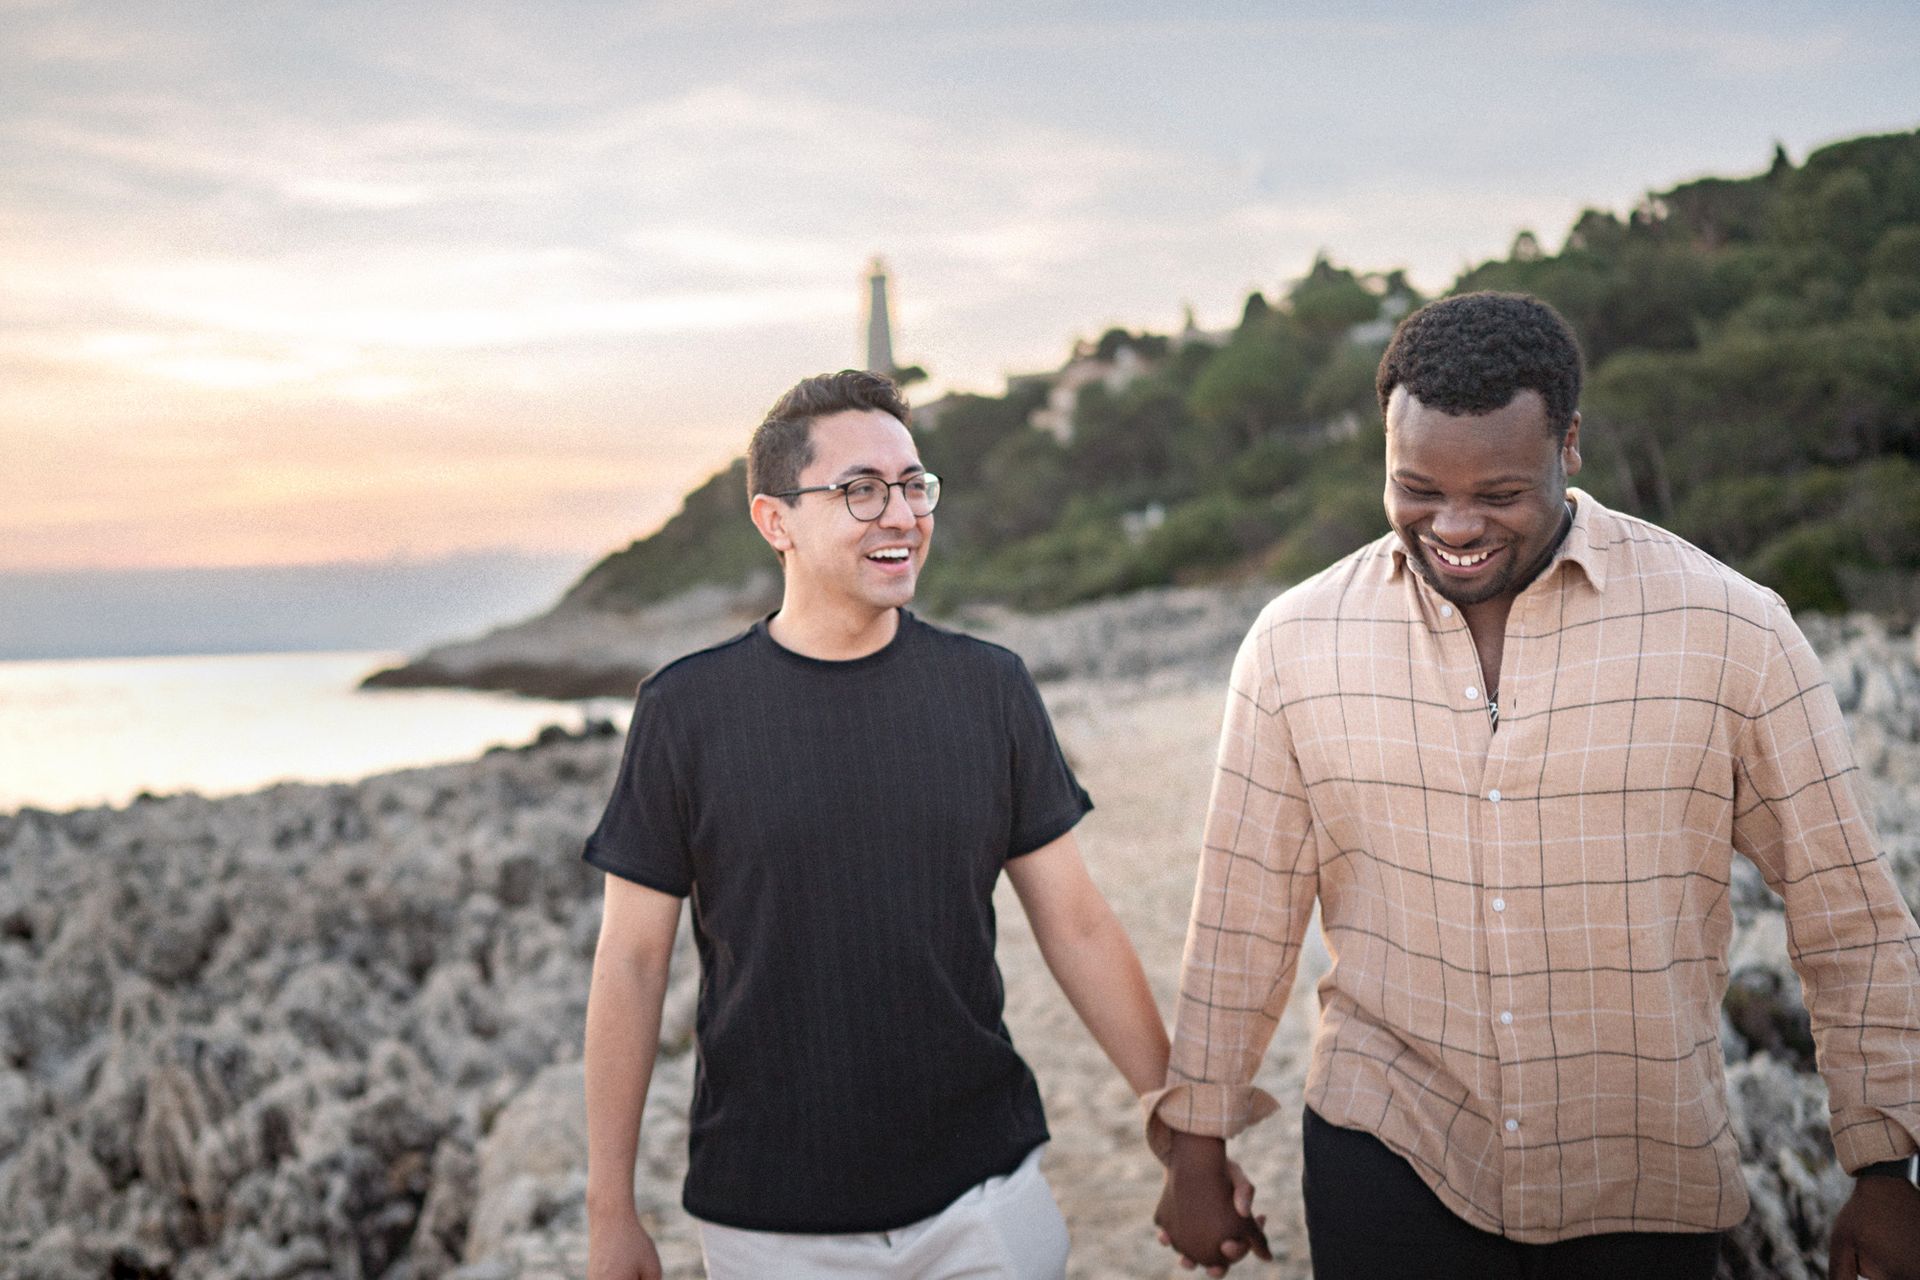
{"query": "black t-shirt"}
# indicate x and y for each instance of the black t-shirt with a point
(840, 827)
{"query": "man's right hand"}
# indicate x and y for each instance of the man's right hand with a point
(618, 1248)
(1198, 1215)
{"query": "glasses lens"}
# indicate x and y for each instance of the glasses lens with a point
(866, 499)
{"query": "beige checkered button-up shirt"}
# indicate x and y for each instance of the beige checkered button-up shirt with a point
(1529, 926)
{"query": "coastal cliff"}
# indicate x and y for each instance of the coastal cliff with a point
(581, 650)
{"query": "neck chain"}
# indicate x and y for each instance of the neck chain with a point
(1566, 527)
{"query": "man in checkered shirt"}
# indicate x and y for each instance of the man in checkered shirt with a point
(1510, 750)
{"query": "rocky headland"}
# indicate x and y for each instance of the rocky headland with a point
(335, 1030)
(583, 649)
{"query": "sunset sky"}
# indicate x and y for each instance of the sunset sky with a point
(292, 283)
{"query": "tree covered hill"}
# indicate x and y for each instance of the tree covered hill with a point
(1753, 384)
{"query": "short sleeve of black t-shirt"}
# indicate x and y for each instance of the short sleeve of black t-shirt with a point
(643, 834)
(1047, 799)
(840, 827)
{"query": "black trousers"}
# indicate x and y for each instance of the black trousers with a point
(1370, 1217)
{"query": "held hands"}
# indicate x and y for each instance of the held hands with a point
(1877, 1233)
(1206, 1208)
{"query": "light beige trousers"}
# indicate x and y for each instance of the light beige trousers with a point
(1007, 1228)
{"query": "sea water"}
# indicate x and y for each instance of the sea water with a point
(103, 730)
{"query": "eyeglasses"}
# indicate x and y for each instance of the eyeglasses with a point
(868, 496)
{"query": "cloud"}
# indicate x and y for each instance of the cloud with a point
(330, 307)
(1813, 42)
(60, 33)
(295, 314)
(363, 237)
(292, 159)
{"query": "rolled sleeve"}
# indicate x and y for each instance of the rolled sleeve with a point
(1212, 1110)
(1251, 908)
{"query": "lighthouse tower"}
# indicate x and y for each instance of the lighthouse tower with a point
(879, 325)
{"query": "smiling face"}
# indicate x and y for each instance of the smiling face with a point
(835, 564)
(1478, 499)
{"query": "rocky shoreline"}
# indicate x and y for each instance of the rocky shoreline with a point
(335, 1030)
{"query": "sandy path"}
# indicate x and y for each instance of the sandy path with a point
(1146, 756)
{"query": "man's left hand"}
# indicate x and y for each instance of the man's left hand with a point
(1877, 1234)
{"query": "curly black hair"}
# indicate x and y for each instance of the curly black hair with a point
(1470, 354)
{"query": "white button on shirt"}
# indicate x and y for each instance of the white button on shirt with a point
(1494, 795)
(1472, 693)
(1506, 1018)
(1446, 611)
(1512, 1125)
(1499, 904)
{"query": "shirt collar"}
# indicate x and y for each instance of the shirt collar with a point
(1584, 547)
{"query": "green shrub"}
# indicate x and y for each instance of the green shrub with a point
(1803, 566)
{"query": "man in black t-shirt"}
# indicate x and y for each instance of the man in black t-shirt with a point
(837, 790)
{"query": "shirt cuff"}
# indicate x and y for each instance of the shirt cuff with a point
(1212, 1110)
(1872, 1144)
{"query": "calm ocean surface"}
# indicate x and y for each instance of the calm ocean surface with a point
(102, 730)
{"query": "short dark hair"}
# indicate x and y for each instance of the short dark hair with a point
(782, 444)
(1472, 353)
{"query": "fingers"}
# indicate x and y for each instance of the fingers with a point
(1242, 1189)
(1186, 1263)
(1232, 1250)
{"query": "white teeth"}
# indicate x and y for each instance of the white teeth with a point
(1461, 562)
(890, 553)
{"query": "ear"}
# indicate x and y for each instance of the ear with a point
(770, 518)
(1570, 447)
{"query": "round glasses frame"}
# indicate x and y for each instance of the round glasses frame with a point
(871, 495)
